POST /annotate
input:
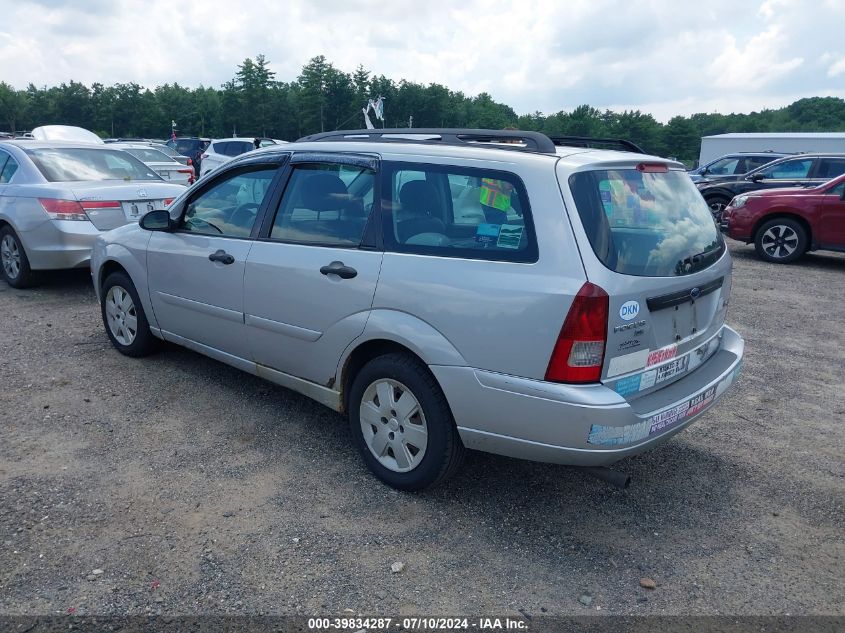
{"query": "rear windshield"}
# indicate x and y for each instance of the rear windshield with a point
(149, 155)
(646, 224)
(82, 164)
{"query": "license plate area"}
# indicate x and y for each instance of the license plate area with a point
(135, 210)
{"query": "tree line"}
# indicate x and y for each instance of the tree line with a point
(322, 97)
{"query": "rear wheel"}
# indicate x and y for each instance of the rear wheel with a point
(402, 424)
(14, 264)
(781, 240)
(124, 318)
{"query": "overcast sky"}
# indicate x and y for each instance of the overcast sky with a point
(665, 57)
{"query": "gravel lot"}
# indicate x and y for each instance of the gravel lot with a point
(193, 488)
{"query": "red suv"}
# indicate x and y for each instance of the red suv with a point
(786, 223)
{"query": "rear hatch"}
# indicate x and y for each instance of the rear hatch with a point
(109, 205)
(651, 244)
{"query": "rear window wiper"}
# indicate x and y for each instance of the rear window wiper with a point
(696, 262)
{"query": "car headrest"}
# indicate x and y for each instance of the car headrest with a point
(419, 198)
(322, 192)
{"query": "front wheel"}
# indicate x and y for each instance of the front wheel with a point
(781, 241)
(124, 318)
(402, 424)
(717, 204)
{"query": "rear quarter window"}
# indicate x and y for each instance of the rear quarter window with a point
(452, 211)
(646, 224)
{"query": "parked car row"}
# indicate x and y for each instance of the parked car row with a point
(792, 204)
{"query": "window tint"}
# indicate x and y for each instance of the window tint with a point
(3, 158)
(831, 167)
(78, 164)
(646, 224)
(230, 206)
(220, 148)
(458, 212)
(790, 169)
(753, 162)
(325, 204)
(724, 166)
(9, 170)
(836, 191)
(236, 148)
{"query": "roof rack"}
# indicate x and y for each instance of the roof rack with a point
(514, 140)
(598, 143)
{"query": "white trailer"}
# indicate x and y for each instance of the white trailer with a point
(713, 147)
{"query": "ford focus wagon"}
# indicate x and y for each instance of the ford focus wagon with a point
(446, 290)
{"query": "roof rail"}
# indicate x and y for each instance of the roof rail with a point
(515, 140)
(598, 143)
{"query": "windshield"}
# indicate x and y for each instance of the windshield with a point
(149, 155)
(646, 224)
(78, 164)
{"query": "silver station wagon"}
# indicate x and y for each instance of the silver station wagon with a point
(447, 290)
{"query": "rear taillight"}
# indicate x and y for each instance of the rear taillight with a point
(167, 201)
(73, 210)
(190, 162)
(579, 350)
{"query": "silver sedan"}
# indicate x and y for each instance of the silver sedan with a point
(57, 197)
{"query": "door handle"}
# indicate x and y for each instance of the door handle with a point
(222, 256)
(337, 268)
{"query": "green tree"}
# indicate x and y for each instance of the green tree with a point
(13, 105)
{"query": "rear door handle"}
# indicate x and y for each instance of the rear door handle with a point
(338, 268)
(222, 256)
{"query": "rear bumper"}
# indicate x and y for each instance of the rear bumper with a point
(587, 425)
(58, 244)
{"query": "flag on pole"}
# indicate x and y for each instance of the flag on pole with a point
(367, 121)
(378, 108)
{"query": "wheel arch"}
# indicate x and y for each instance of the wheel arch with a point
(389, 331)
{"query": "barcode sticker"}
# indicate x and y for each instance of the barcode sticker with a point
(510, 236)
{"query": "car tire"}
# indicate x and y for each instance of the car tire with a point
(14, 264)
(781, 241)
(402, 424)
(717, 204)
(124, 318)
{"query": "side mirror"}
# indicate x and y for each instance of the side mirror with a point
(157, 220)
(756, 177)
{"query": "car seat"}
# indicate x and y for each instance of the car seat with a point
(421, 210)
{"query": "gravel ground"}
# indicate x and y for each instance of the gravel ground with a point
(178, 485)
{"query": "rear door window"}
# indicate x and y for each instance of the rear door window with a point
(646, 224)
(8, 167)
(457, 212)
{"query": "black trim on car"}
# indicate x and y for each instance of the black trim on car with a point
(677, 298)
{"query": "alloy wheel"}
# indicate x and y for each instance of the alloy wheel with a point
(779, 241)
(10, 256)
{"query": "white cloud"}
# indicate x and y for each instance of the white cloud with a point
(651, 55)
